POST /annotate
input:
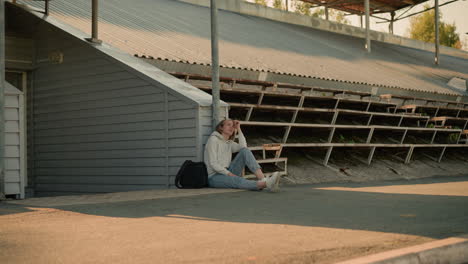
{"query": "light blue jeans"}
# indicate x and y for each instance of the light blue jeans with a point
(243, 158)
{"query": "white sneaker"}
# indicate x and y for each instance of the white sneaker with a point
(272, 183)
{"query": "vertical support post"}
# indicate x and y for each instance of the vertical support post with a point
(259, 102)
(94, 23)
(404, 136)
(369, 137)
(299, 106)
(459, 137)
(326, 13)
(335, 116)
(249, 113)
(287, 5)
(286, 134)
(337, 103)
(436, 60)
(2, 99)
(327, 156)
(330, 137)
(390, 26)
(433, 137)
(94, 29)
(293, 119)
(368, 106)
(214, 63)
(260, 98)
(370, 120)
(408, 156)
(368, 44)
(46, 7)
(360, 19)
(371, 155)
(441, 154)
(401, 120)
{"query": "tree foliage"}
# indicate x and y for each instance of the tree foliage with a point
(302, 8)
(261, 2)
(334, 15)
(422, 27)
(278, 4)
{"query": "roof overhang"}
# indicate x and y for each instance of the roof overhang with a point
(357, 6)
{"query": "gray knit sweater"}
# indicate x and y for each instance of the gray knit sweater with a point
(218, 152)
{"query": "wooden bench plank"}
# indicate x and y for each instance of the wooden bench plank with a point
(364, 145)
(304, 87)
(439, 107)
(329, 110)
(280, 124)
(272, 160)
(285, 94)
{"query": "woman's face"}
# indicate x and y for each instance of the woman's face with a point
(228, 127)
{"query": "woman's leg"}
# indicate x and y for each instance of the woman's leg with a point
(234, 182)
(245, 158)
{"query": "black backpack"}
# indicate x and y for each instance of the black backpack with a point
(192, 175)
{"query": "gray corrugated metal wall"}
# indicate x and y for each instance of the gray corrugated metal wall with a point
(100, 128)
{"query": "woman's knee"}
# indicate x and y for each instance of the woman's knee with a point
(245, 151)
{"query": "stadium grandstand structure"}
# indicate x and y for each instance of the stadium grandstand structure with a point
(288, 116)
(357, 7)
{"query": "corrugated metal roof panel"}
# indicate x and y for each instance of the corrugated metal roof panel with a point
(180, 31)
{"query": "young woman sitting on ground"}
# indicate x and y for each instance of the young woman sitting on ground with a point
(224, 173)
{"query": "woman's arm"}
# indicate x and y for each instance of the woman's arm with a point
(236, 147)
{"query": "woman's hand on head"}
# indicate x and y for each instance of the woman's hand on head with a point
(237, 125)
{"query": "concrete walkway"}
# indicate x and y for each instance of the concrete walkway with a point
(301, 224)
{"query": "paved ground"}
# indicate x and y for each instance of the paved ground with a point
(317, 223)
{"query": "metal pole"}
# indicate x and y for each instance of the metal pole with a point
(94, 23)
(436, 32)
(368, 44)
(214, 64)
(2, 99)
(47, 7)
(326, 13)
(287, 5)
(94, 29)
(392, 15)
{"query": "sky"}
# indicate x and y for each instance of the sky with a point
(454, 12)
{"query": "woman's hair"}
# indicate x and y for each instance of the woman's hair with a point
(219, 128)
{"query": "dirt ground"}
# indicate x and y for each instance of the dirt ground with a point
(301, 224)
